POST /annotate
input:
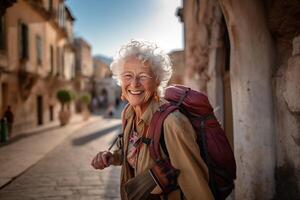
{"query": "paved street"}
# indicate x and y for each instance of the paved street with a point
(65, 172)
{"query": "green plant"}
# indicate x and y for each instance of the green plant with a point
(86, 98)
(64, 97)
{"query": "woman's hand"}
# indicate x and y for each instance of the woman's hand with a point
(102, 160)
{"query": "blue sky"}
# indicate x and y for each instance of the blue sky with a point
(107, 24)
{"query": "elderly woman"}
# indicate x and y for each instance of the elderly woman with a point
(143, 72)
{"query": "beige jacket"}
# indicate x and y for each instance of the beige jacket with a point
(180, 139)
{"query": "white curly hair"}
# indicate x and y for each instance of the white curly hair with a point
(144, 51)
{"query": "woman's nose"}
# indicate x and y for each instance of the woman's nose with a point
(136, 81)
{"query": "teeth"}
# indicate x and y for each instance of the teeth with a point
(135, 92)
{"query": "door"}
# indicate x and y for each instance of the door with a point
(40, 110)
(51, 113)
(4, 93)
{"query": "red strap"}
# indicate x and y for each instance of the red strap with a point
(155, 130)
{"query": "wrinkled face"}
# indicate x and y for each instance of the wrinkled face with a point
(138, 83)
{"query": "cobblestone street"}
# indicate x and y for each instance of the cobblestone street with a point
(65, 172)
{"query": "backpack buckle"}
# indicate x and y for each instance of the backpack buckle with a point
(146, 140)
(161, 109)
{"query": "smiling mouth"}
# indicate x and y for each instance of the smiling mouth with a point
(135, 92)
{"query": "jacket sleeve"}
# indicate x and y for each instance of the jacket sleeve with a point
(180, 139)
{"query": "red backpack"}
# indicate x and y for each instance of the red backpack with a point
(214, 147)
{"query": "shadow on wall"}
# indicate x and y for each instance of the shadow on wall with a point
(286, 182)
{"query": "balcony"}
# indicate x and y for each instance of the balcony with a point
(48, 15)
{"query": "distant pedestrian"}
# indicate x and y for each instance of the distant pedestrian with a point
(9, 116)
(95, 104)
(110, 110)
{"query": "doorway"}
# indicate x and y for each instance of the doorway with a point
(40, 110)
(51, 113)
(4, 93)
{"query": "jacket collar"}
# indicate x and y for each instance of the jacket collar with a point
(150, 110)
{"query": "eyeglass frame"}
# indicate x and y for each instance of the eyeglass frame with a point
(141, 78)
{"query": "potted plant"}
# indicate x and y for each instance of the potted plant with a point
(64, 97)
(85, 100)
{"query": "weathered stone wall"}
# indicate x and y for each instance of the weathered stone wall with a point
(204, 56)
(283, 21)
(177, 59)
(287, 91)
(216, 60)
(264, 78)
(197, 33)
(252, 59)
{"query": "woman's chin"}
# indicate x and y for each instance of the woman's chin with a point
(137, 102)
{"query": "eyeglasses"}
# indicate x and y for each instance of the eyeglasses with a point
(129, 77)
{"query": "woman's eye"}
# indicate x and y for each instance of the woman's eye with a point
(128, 76)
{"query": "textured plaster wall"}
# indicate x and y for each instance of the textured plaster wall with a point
(287, 94)
(283, 22)
(177, 59)
(216, 64)
(196, 43)
(265, 60)
(252, 59)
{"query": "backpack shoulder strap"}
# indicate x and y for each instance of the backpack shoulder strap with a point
(124, 121)
(155, 129)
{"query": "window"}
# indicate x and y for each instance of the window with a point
(23, 41)
(4, 95)
(2, 33)
(38, 50)
(58, 61)
(61, 15)
(51, 60)
(63, 63)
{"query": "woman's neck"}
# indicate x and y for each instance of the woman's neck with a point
(139, 110)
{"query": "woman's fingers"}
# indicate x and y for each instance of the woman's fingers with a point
(107, 158)
(95, 162)
(102, 159)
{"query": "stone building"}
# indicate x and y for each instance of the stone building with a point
(245, 55)
(83, 68)
(36, 58)
(84, 65)
(177, 59)
(106, 91)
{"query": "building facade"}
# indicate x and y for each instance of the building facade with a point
(84, 64)
(83, 69)
(245, 56)
(36, 59)
(106, 91)
(177, 59)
